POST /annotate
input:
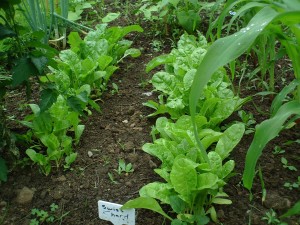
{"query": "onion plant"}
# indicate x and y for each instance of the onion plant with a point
(271, 16)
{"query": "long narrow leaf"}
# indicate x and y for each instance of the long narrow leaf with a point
(265, 132)
(224, 51)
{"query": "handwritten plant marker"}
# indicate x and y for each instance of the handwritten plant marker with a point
(111, 212)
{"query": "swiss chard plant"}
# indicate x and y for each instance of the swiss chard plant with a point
(191, 185)
(85, 68)
(50, 129)
(174, 83)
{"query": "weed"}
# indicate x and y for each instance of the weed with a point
(294, 185)
(271, 218)
(112, 179)
(42, 216)
(278, 150)
(124, 168)
(285, 164)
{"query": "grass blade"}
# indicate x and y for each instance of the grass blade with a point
(265, 132)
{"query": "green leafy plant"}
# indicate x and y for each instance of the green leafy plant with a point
(286, 165)
(191, 185)
(123, 167)
(112, 179)
(174, 83)
(294, 185)
(271, 218)
(227, 49)
(248, 120)
(51, 127)
(42, 216)
(278, 150)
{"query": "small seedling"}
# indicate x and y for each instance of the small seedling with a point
(271, 217)
(115, 89)
(248, 120)
(285, 164)
(42, 216)
(124, 168)
(278, 150)
(294, 185)
(112, 179)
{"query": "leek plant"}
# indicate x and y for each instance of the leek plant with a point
(274, 15)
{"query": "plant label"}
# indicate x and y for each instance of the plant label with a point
(111, 212)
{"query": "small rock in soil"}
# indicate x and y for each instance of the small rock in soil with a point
(57, 194)
(132, 157)
(275, 201)
(25, 195)
(62, 178)
(90, 154)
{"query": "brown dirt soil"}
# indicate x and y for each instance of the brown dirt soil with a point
(119, 132)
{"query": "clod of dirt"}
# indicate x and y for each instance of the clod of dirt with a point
(128, 146)
(57, 194)
(62, 178)
(25, 195)
(275, 201)
(132, 157)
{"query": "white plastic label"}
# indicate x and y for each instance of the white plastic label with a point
(111, 212)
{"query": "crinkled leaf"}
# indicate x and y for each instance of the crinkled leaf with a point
(207, 181)
(184, 178)
(230, 138)
(157, 190)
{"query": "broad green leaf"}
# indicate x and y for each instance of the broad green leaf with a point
(177, 204)
(133, 52)
(223, 51)
(221, 201)
(6, 32)
(163, 173)
(50, 141)
(230, 138)
(207, 181)
(42, 124)
(78, 132)
(227, 168)
(145, 203)
(157, 190)
(48, 97)
(264, 133)
(184, 178)
(74, 40)
(216, 163)
(39, 63)
(104, 61)
(110, 17)
(23, 69)
(3, 170)
(157, 61)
